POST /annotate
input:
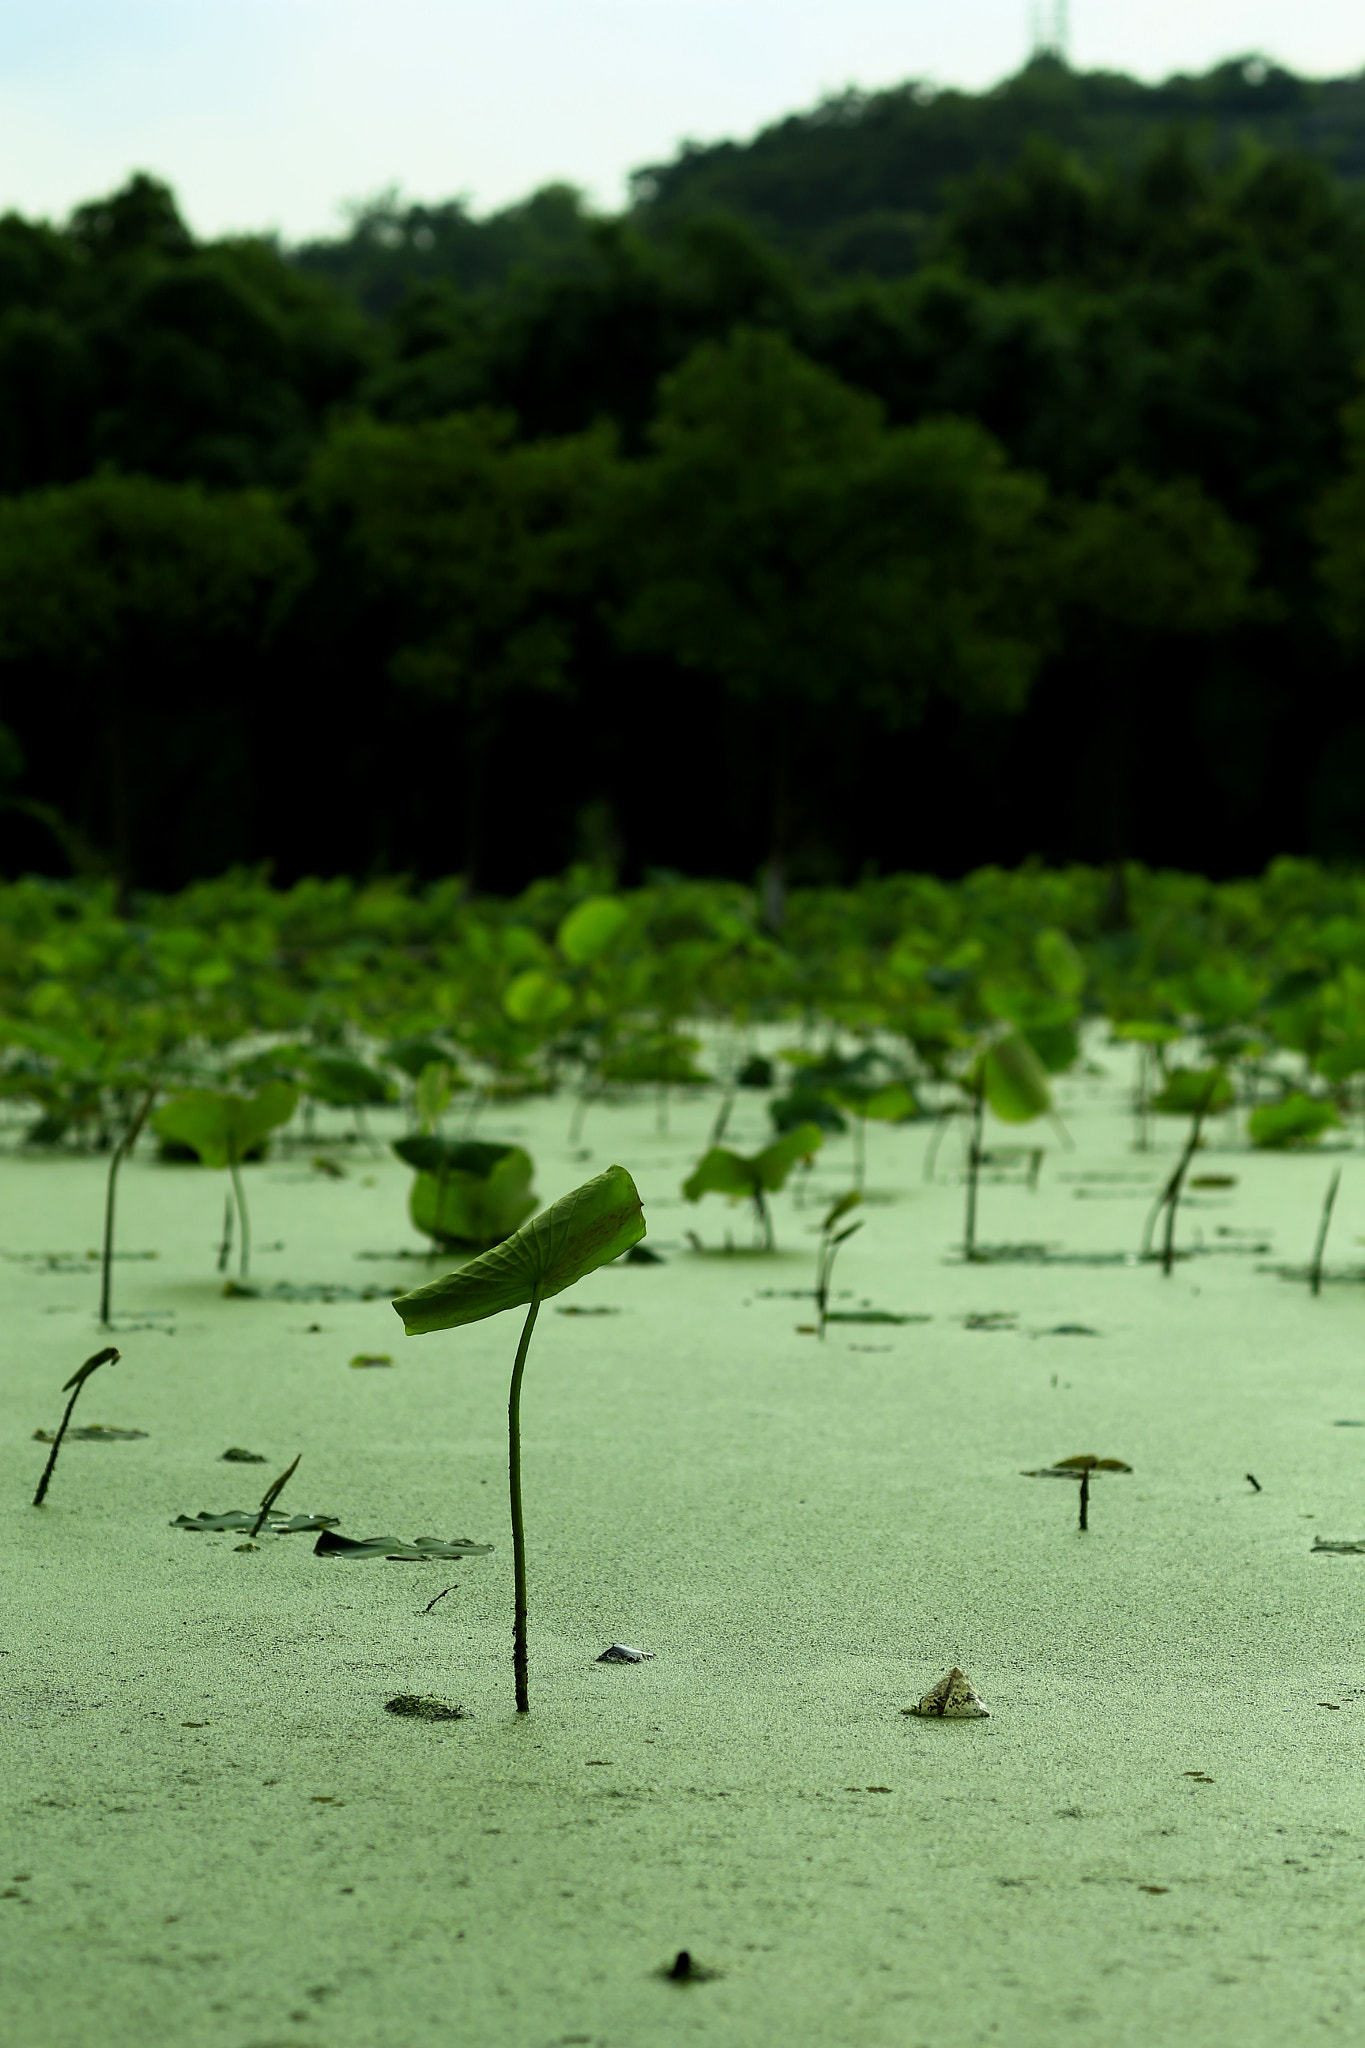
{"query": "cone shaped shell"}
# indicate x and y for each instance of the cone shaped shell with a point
(954, 1698)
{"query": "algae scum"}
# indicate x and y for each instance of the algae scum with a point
(272, 1792)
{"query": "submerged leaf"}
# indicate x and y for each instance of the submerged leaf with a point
(575, 1235)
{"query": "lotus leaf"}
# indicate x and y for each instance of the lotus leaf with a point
(575, 1235)
(1298, 1120)
(590, 928)
(223, 1127)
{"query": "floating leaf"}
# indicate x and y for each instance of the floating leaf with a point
(276, 1521)
(575, 1235)
(94, 1433)
(397, 1547)
(420, 1706)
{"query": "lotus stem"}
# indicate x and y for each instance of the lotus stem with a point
(1315, 1271)
(973, 1167)
(244, 1257)
(519, 1661)
(120, 1153)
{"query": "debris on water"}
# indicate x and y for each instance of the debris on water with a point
(575, 1311)
(1213, 1180)
(1348, 1425)
(641, 1255)
(237, 1456)
(1071, 1330)
(993, 1319)
(324, 1291)
(365, 1359)
(95, 1433)
(277, 1522)
(1323, 1544)
(421, 1706)
(397, 1548)
(246, 1546)
(871, 1315)
(621, 1653)
(1254, 1481)
(685, 1969)
(954, 1698)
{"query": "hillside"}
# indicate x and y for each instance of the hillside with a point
(854, 185)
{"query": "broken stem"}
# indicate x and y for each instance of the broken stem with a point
(1085, 1497)
(1315, 1271)
(109, 1356)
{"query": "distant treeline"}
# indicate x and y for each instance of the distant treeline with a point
(739, 530)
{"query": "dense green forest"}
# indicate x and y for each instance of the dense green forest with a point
(933, 480)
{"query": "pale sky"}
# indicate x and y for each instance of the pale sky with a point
(272, 113)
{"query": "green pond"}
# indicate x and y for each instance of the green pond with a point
(214, 1834)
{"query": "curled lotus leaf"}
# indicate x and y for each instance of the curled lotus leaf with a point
(574, 1236)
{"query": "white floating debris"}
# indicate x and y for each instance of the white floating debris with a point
(621, 1653)
(954, 1698)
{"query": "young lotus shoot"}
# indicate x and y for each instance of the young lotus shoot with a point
(574, 1236)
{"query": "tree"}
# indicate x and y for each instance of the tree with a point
(1143, 566)
(476, 545)
(823, 566)
(121, 597)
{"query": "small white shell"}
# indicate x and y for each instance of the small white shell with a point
(621, 1653)
(954, 1698)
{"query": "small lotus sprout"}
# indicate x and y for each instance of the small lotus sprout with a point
(270, 1496)
(1194, 1094)
(116, 1158)
(1080, 1468)
(830, 1241)
(223, 1127)
(722, 1172)
(1008, 1077)
(574, 1236)
(109, 1356)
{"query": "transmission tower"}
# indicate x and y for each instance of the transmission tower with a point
(1050, 28)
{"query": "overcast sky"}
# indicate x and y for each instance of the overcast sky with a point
(273, 113)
